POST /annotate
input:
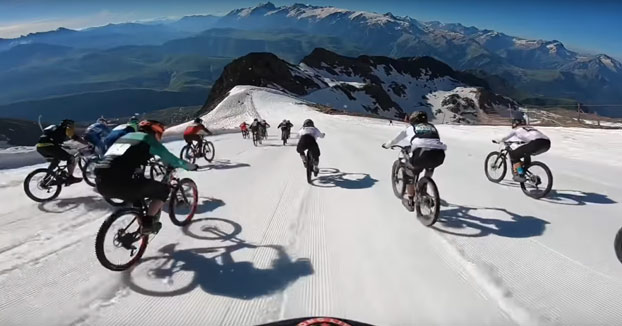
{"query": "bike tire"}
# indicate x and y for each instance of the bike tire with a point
(82, 161)
(428, 184)
(504, 166)
(209, 151)
(397, 171)
(101, 237)
(617, 245)
(88, 172)
(255, 139)
(546, 190)
(309, 167)
(174, 201)
(187, 154)
(54, 193)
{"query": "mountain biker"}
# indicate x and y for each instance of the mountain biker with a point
(535, 143)
(308, 135)
(49, 146)
(428, 152)
(116, 177)
(244, 127)
(255, 126)
(117, 132)
(95, 135)
(264, 127)
(195, 132)
(285, 127)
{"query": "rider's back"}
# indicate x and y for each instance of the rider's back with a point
(313, 131)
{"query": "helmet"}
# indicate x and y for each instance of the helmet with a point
(198, 120)
(308, 123)
(102, 120)
(152, 127)
(67, 122)
(418, 117)
(518, 122)
(256, 119)
(133, 119)
(284, 120)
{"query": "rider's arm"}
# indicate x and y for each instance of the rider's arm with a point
(397, 139)
(157, 148)
(206, 130)
(512, 134)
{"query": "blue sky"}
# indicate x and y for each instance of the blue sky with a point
(589, 26)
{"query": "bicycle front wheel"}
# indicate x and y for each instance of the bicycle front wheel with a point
(187, 154)
(42, 186)
(495, 167)
(428, 202)
(539, 180)
(183, 203)
(89, 172)
(209, 151)
(397, 179)
(119, 243)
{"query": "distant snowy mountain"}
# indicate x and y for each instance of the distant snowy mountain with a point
(369, 85)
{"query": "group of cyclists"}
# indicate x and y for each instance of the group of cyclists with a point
(127, 147)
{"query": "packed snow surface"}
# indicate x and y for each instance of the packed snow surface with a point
(266, 245)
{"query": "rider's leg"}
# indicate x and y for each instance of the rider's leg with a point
(158, 192)
(315, 152)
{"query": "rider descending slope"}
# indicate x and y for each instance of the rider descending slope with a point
(120, 131)
(308, 141)
(535, 143)
(195, 132)
(116, 177)
(95, 135)
(428, 152)
(49, 145)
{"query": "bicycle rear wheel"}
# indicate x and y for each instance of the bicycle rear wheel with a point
(309, 166)
(209, 151)
(428, 202)
(495, 167)
(255, 139)
(42, 186)
(539, 180)
(121, 231)
(187, 154)
(397, 179)
(183, 203)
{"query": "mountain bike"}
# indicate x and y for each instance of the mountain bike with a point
(156, 169)
(256, 138)
(45, 184)
(245, 134)
(496, 166)
(284, 136)
(427, 199)
(191, 151)
(125, 224)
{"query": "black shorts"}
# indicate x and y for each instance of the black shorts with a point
(130, 189)
(55, 152)
(308, 142)
(532, 148)
(426, 159)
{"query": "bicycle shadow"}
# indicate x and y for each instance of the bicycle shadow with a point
(331, 178)
(463, 217)
(577, 197)
(217, 275)
(212, 228)
(62, 205)
(209, 204)
(223, 165)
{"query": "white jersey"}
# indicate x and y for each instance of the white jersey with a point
(121, 126)
(416, 142)
(316, 133)
(525, 134)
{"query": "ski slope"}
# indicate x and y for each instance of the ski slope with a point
(267, 246)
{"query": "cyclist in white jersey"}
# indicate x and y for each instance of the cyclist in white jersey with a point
(535, 143)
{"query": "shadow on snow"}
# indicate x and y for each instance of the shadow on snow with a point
(331, 177)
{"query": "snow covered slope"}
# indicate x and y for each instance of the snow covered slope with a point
(267, 246)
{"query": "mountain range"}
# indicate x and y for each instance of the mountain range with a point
(188, 55)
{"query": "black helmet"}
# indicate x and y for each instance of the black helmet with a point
(518, 122)
(256, 119)
(308, 123)
(198, 120)
(418, 117)
(67, 122)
